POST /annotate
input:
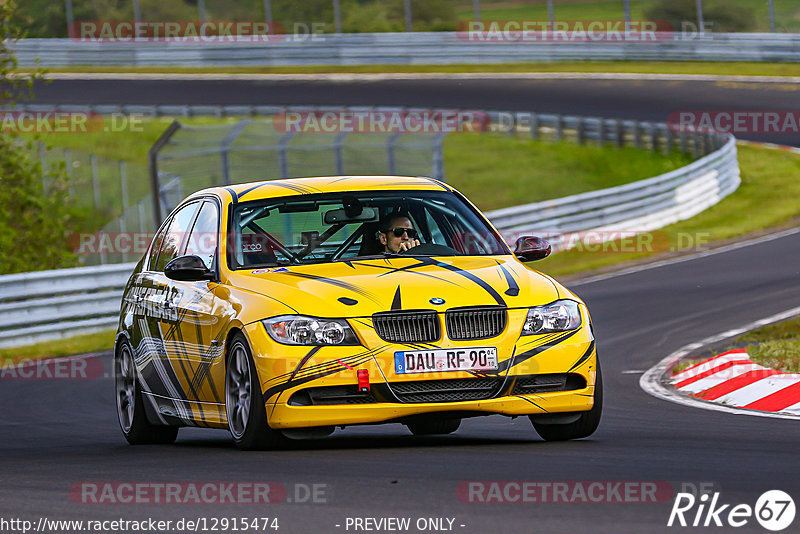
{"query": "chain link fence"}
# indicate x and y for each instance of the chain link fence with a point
(255, 149)
(128, 201)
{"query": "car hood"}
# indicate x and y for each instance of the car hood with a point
(360, 288)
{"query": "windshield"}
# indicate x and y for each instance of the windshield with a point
(341, 226)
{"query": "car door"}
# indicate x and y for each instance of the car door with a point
(196, 348)
(159, 372)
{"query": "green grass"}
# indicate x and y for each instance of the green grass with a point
(654, 67)
(494, 169)
(756, 206)
(782, 331)
(81, 344)
(783, 355)
(776, 346)
(498, 171)
(787, 12)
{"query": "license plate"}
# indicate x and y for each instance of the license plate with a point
(443, 360)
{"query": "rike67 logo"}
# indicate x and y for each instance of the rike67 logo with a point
(774, 510)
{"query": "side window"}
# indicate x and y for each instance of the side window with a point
(175, 237)
(155, 247)
(203, 239)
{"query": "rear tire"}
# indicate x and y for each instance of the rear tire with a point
(130, 407)
(244, 403)
(586, 424)
(431, 427)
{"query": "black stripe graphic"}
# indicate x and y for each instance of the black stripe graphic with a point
(513, 288)
(396, 303)
(584, 357)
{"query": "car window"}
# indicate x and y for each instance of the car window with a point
(155, 247)
(338, 226)
(175, 237)
(203, 239)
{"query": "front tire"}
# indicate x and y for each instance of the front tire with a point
(586, 424)
(244, 403)
(130, 407)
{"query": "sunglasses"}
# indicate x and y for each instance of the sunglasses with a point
(399, 231)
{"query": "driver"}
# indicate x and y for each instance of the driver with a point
(397, 233)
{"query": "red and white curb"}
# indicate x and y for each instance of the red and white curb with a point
(656, 380)
(733, 380)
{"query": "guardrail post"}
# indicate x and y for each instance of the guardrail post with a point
(670, 141)
(42, 151)
(141, 217)
(152, 156)
(283, 157)
(581, 131)
(619, 131)
(95, 183)
(68, 167)
(438, 157)
(654, 133)
(601, 131)
(390, 160)
(696, 144)
(123, 182)
(559, 128)
(534, 126)
(637, 135)
(225, 147)
(512, 124)
(337, 151)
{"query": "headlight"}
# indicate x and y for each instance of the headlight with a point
(559, 316)
(300, 330)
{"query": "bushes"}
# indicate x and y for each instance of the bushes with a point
(34, 224)
(718, 17)
(47, 18)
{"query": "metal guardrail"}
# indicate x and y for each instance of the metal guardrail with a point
(53, 304)
(406, 48)
(46, 305)
(631, 208)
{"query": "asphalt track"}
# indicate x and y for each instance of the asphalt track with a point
(56, 433)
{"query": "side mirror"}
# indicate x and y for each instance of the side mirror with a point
(532, 248)
(188, 269)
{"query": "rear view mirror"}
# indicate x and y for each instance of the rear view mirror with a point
(341, 216)
(532, 248)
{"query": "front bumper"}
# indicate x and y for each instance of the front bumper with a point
(287, 372)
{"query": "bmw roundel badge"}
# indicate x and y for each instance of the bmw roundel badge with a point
(436, 301)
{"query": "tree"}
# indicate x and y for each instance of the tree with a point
(34, 224)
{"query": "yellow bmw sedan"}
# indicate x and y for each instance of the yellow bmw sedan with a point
(285, 308)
